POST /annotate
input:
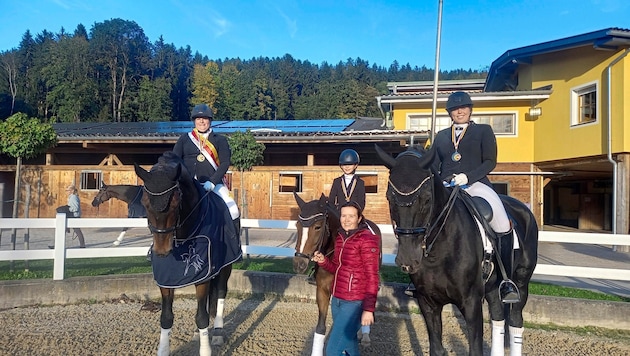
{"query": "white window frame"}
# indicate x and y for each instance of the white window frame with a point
(299, 177)
(444, 121)
(576, 112)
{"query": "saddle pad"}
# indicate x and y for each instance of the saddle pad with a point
(188, 263)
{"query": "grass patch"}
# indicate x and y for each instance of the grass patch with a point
(43, 269)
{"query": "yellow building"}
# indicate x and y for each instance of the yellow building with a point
(560, 112)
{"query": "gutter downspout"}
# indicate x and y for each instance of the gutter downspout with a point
(610, 158)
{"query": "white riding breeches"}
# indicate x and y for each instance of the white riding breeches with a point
(222, 191)
(500, 222)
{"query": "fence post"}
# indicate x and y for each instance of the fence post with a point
(59, 262)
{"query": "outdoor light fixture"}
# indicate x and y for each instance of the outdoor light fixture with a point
(535, 112)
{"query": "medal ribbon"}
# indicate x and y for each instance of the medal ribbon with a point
(456, 139)
(207, 149)
(345, 189)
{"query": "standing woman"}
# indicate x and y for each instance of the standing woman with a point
(355, 265)
(74, 208)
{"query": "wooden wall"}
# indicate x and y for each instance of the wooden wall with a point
(263, 200)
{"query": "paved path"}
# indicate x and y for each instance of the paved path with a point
(549, 253)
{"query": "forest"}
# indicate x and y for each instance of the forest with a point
(114, 73)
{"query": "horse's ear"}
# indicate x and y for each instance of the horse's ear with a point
(323, 200)
(427, 158)
(174, 176)
(299, 200)
(387, 160)
(141, 172)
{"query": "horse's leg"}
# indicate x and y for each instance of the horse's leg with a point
(497, 316)
(202, 318)
(472, 311)
(218, 292)
(120, 237)
(322, 297)
(166, 321)
(432, 314)
(522, 276)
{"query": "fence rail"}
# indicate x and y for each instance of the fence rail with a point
(60, 223)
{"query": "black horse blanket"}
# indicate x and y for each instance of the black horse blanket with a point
(135, 209)
(212, 245)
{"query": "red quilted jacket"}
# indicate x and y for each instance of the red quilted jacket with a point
(355, 264)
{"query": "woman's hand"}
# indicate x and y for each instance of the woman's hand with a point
(318, 257)
(367, 318)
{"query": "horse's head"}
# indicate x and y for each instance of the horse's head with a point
(102, 196)
(314, 226)
(410, 194)
(162, 202)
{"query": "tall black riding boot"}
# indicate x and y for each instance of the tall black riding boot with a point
(508, 291)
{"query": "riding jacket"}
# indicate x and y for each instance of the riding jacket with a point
(478, 150)
(355, 265)
(355, 191)
(204, 171)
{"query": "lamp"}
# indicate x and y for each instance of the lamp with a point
(535, 112)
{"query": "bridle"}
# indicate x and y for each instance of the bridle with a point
(309, 221)
(410, 197)
(180, 223)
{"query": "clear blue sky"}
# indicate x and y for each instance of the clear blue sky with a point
(474, 32)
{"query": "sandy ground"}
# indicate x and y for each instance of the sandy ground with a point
(253, 327)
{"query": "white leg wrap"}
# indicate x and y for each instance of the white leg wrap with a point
(164, 348)
(318, 345)
(516, 341)
(218, 320)
(498, 341)
(204, 343)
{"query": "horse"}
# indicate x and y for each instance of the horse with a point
(440, 246)
(317, 227)
(194, 242)
(130, 194)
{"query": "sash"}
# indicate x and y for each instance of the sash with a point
(207, 149)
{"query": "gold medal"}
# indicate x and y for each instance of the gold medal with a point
(201, 158)
(455, 157)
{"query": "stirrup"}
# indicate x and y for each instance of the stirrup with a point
(410, 291)
(509, 292)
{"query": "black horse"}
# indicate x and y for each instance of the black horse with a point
(317, 227)
(441, 247)
(194, 242)
(130, 194)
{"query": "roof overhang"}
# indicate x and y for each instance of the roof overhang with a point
(526, 96)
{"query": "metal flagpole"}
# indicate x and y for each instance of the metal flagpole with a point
(437, 71)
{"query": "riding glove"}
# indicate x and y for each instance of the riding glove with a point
(460, 179)
(208, 186)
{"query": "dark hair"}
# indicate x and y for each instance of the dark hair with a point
(355, 205)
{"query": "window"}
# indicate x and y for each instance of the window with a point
(584, 104)
(371, 181)
(502, 123)
(91, 180)
(290, 182)
(500, 188)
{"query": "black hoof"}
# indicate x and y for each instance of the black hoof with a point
(410, 291)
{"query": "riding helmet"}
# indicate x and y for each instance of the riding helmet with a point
(201, 110)
(349, 156)
(457, 99)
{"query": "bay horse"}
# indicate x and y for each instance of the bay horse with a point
(440, 246)
(317, 227)
(130, 194)
(194, 242)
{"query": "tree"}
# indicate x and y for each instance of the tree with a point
(246, 153)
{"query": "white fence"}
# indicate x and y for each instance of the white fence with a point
(59, 254)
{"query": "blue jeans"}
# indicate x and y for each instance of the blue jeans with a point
(346, 323)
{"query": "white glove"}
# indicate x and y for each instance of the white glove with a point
(208, 186)
(460, 179)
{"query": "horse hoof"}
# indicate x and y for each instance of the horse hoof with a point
(116, 243)
(217, 340)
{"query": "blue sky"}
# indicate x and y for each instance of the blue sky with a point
(474, 32)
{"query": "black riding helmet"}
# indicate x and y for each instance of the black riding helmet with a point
(349, 156)
(201, 110)
(457, 99)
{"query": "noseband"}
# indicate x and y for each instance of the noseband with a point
(309, 221)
